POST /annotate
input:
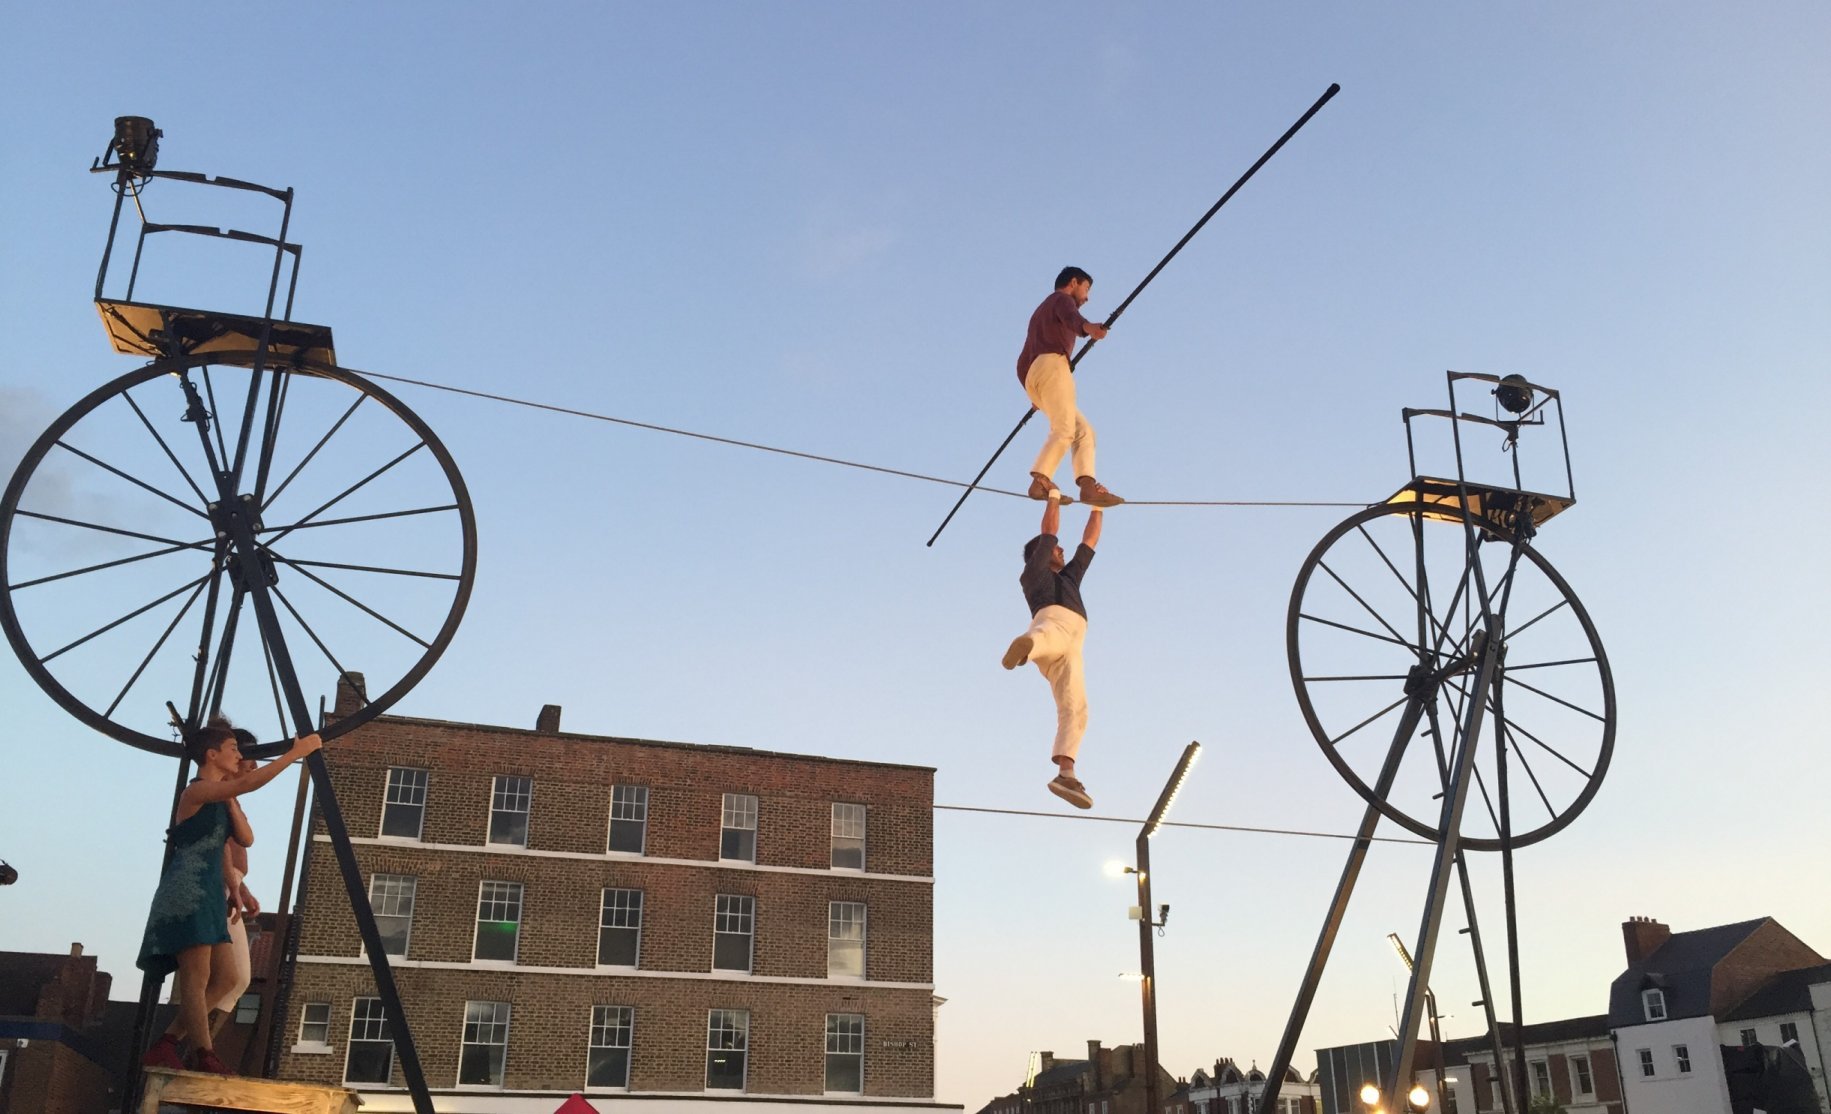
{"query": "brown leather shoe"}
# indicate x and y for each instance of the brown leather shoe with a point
(1041, 488)
(1094, 493)
(1071, 791)
(1019, 651)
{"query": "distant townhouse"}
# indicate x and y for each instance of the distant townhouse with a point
(1689, 1000)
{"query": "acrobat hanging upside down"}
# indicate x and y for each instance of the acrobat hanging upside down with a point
(1058, 629)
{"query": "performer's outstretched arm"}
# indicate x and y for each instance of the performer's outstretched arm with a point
(1090, 537)
(1052, 517)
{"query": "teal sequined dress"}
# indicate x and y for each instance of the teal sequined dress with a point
(189, 907)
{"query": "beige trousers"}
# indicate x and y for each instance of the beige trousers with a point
(1057, 636)
(1050, 384)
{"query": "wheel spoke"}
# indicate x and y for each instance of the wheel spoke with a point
(346, 493)
(1511, 668)
(319, 642)
(107, 467)
(1547, 747)
(1400, 577)
(376, 568)
(216, 422)
(110, 530)
(107, 565)
(1368, 720)
(356, 518)
(136, 612)
(352, 600)
(276, 411)
(1360, 677)
(1556, 699)
(1486, 800)
(322, 441)
(273, 683)
(1364, 604)
(169, 455)
(1558, 606)
(1357, 630)
(211, 695)
(147, 660)
(1550, 810)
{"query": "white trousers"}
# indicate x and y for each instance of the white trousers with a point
(1057, 636)
(1050, 384)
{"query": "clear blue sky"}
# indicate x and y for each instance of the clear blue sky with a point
(822, 225)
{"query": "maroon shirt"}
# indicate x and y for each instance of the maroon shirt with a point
(1053, 329)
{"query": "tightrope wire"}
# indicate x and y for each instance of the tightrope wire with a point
(758, 446)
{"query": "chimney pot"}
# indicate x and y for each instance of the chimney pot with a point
(352, 694)
(1642, 936)
(547, 723)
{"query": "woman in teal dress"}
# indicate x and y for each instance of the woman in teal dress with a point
(187, 930)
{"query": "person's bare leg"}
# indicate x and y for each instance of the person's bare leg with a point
(193, 1020)
(221, 979)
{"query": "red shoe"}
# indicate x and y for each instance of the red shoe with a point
(163, 1054)
(204, 1059)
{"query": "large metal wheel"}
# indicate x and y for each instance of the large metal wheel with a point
(122, 576)
(1393, 598)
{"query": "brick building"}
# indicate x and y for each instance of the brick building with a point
(52, 1057)
(620, 916)
(1229, 1089)
(1572, 1060)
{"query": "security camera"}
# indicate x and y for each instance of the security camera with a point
(1163, 913)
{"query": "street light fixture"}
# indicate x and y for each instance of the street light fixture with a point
(1436, 1034)
(1145, 924)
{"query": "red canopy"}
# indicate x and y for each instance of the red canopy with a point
(576, 1105)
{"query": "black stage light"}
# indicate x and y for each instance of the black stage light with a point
(1514, 394)
(7, 874)
(136, 143)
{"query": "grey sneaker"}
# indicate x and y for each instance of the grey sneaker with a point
(1019, 651)
(1041, 488)
(1071, 791)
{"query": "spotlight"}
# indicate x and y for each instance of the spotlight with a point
(1419, 1097)
(1514, 394)
(136, 143)
(1370, 1093)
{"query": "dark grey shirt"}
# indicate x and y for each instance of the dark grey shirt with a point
(1043, 586)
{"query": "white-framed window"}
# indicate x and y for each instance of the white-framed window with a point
(845, 1053)
(628, 818)
(370, 1055)
(848, 836)
(498, 921)
(1541, 1076)
(1287, 1105)
(391, 900)
(403, 808)
(485, 1049)
(1682, 1053)
(845, 939)
(1789, 1032)
(511, 796)
(737, 838)
(1584, 1081)
(1749, 1040)
(612, 1028)
(315, 1023)
(1646, 1062)
(247, 1009)
(727, 1049)
(733, 932)
(1653, 1003)
(620, 928)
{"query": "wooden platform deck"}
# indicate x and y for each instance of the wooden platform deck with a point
(191, 1089)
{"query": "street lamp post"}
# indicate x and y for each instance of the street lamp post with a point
(1146, 955)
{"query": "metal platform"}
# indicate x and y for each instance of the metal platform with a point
(145, 329)
(1499, 505)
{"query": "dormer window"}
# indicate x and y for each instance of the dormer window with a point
(1653, 1002)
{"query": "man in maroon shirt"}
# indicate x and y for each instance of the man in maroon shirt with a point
(1042, 367)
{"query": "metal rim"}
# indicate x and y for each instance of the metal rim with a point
(444, 471)
(1333, 615)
